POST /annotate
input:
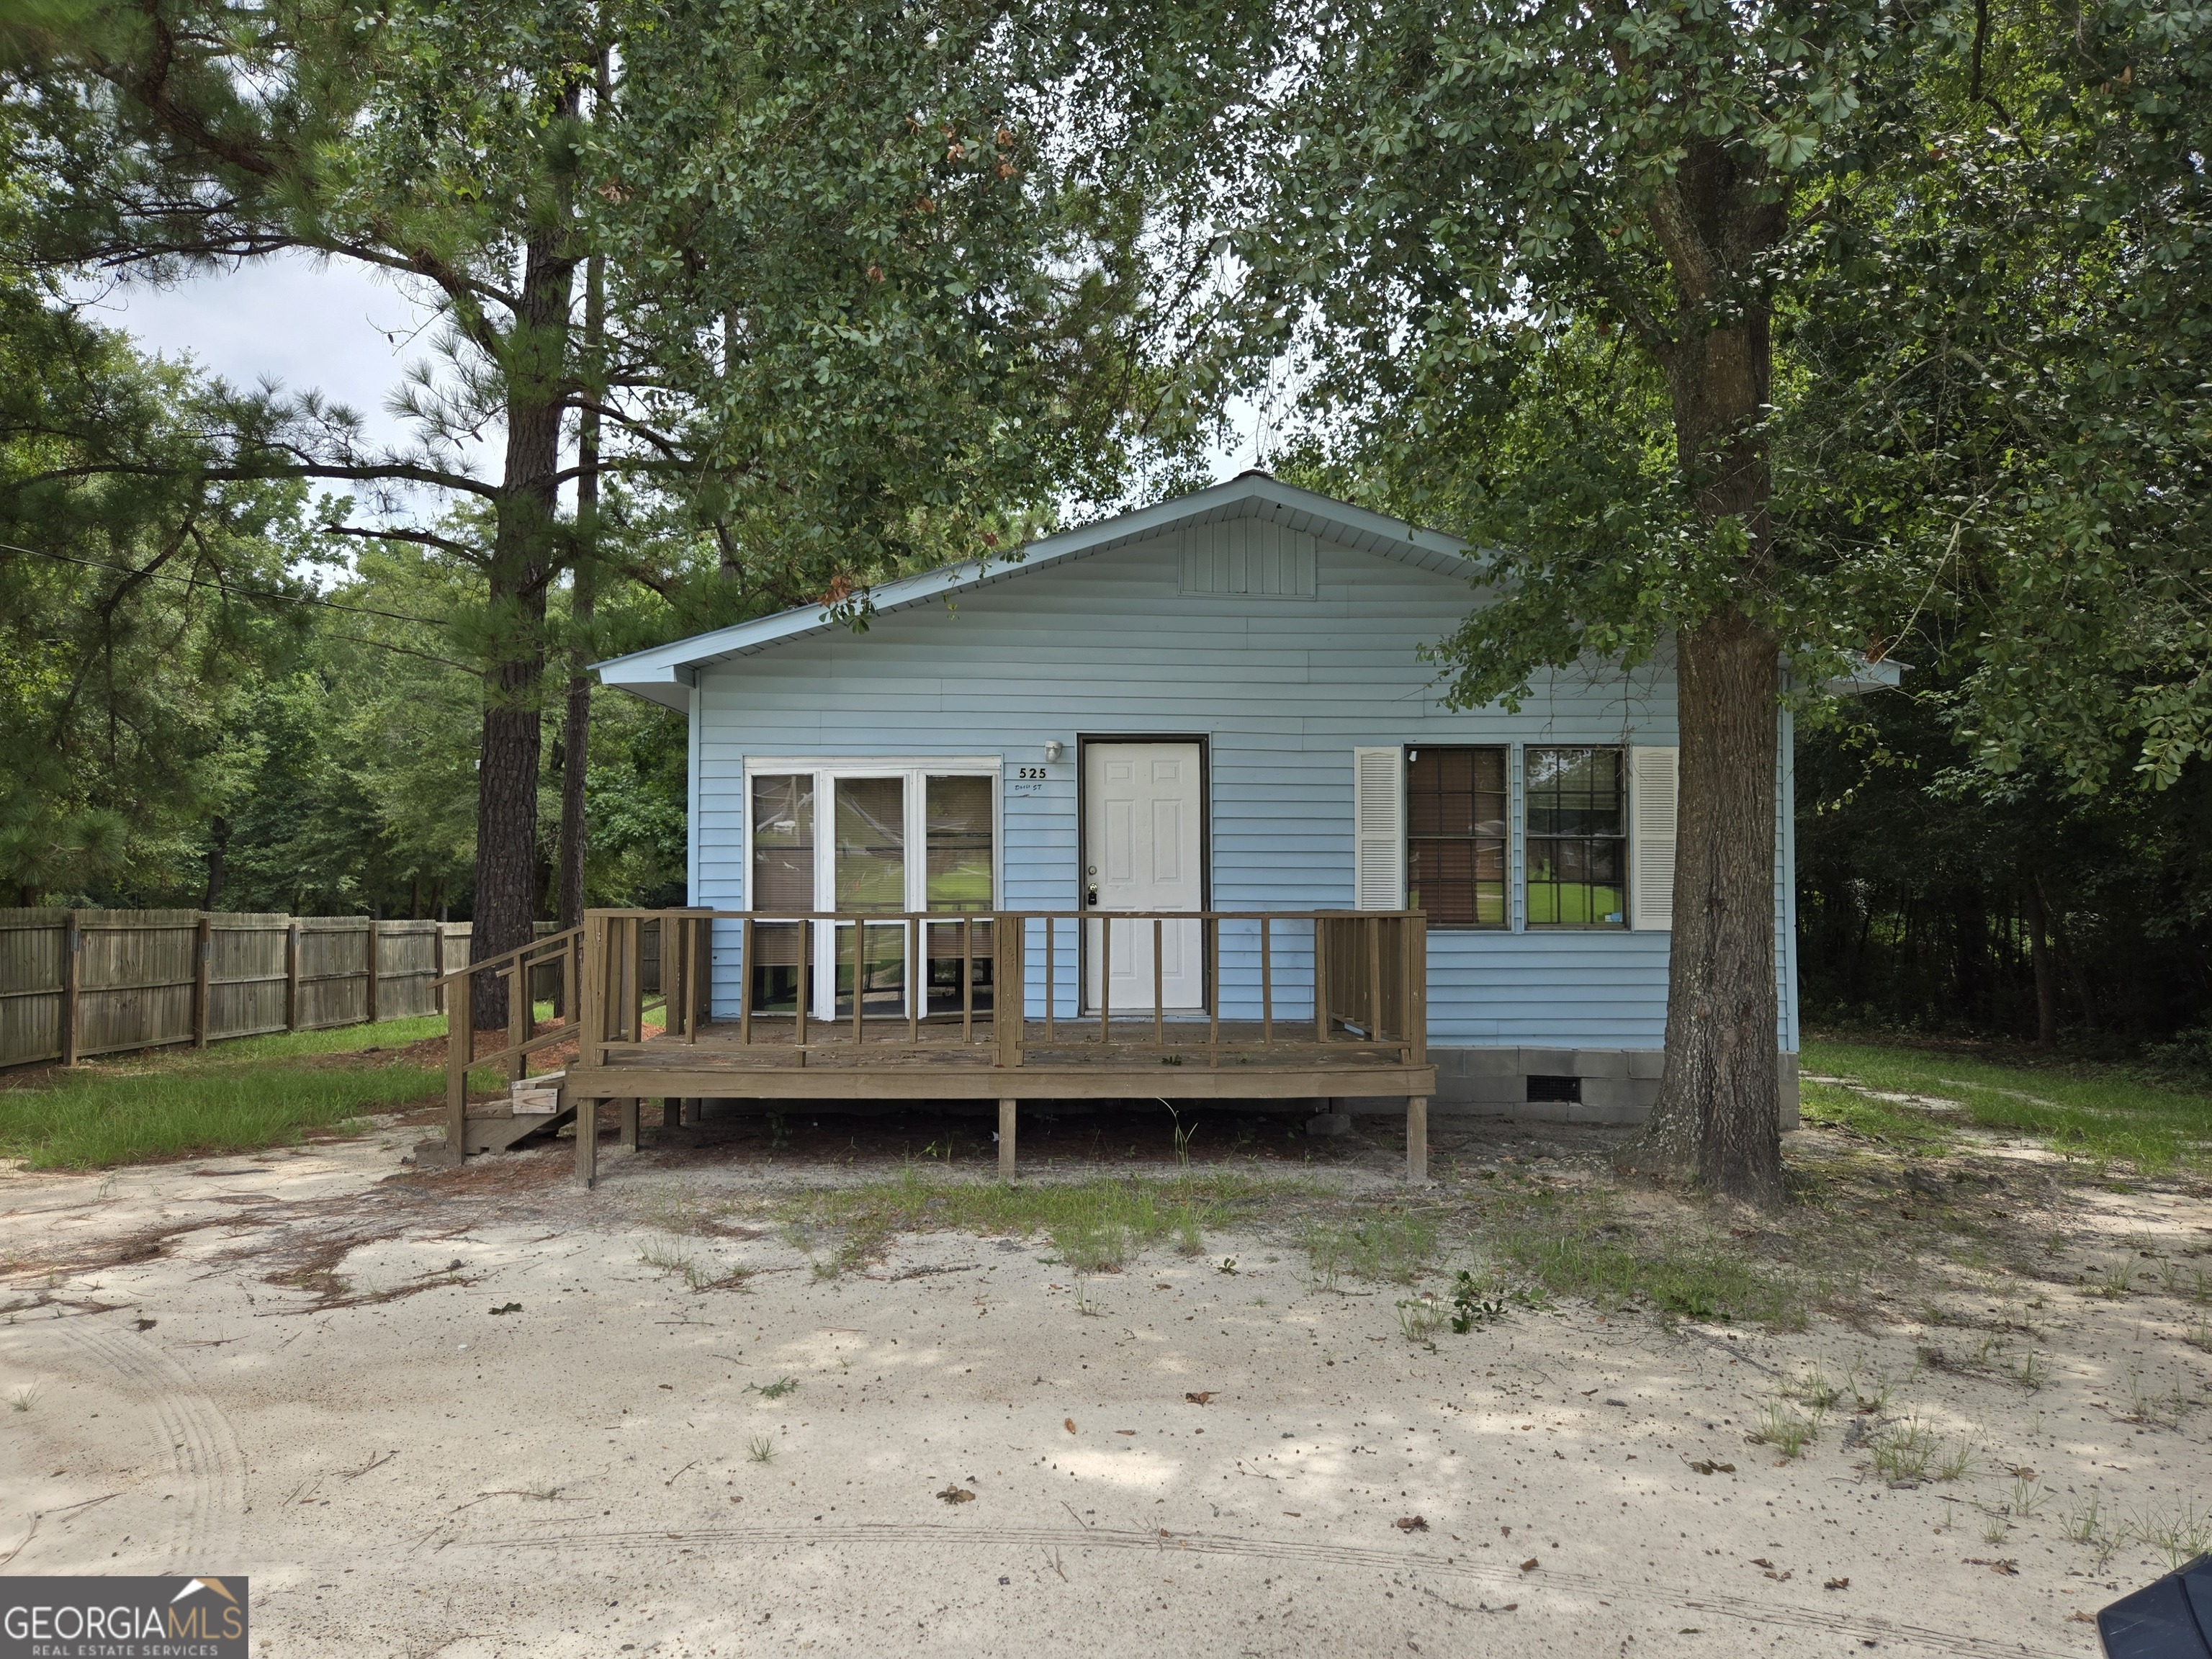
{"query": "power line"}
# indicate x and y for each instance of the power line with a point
(250, 592)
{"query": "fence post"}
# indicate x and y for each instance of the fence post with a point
(72, 980)
(372, 925)
(203, 961)
(291, 973)
(437, 966)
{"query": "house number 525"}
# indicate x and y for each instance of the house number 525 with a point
(1029, 772)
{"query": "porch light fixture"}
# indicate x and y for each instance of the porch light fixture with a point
(1054, 749)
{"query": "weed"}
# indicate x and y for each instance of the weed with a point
(1903, 1453)
(775, 1390)
(2031, 1373)
(761, 1448)
(1996, 1529)
(1787, 1431)
(2028, 1495)
(2114, 1282)
(1394, 1248)
(2087, 1526)
(2180, 1538)
(1419, 1319)
(2158, 1409)
(1190, 1236)
(1814, 1391)
(2169, 1276)
(2199, 1336)
(1873, 1399)
(1470, 1309)
(1956, 1464)
(24, 1398)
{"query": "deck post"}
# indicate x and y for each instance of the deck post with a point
(1006, 1140)
(671, 1112)
(1417, 1138)
(629, 1124)
(587, 1141)
(460, 1049)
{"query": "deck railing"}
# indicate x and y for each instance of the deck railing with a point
(810, 981)
(553, 962)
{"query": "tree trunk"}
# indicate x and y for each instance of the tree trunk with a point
(2046, 970)
(523, 561)
(218, 846)
(576, 738)
(1717, 1120)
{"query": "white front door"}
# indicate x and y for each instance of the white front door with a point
(1143, 808)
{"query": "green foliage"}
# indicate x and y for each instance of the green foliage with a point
(141, 600)
(239, 1098)
(1093, 1225)
(2086, 1111)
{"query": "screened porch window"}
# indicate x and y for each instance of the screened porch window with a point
(1578, 829)
(900, 838)
(1456, 836)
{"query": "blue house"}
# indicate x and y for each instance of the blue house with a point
(1217, 702)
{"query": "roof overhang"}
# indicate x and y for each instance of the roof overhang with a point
(666, 673)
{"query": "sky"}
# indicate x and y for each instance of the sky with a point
(350, 334)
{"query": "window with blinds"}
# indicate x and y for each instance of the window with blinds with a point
(1456, 812)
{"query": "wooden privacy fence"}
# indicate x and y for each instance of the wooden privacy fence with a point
(76, 983)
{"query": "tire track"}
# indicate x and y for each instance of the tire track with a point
(1748, 1608)
(202, 1451)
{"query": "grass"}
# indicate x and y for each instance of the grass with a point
(1093, 1226)
(1583, 1252)
(2101, 1113)
(1391, 1248)
(236, 1097)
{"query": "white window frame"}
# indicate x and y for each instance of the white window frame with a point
(916, 771)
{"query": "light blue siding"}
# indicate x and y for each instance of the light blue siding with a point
(1282, 689)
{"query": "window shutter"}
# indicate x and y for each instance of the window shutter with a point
(1654, 791)
(1378, 819)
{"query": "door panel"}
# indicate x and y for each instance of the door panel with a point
(1143, 808)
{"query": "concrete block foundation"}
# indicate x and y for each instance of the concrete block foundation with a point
(1599, 1085)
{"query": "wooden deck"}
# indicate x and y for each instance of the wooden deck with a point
(1015, 1025)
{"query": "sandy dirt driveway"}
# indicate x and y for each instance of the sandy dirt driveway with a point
(484, 1412)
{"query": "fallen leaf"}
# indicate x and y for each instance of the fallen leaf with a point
(956, 1495)
(1713, 1468)
(1124, 1432)
(512, 1307)
(1778, 1577)
(1067, 1423)
(2009, 1567)
(1760, 1561)
(1529, 1565)
(1412, 1523)
(2078, 1617)
(1205, 1399)
(1837, 1583)
(1296, 1514)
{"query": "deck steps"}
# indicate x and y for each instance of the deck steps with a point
(536, 1105)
